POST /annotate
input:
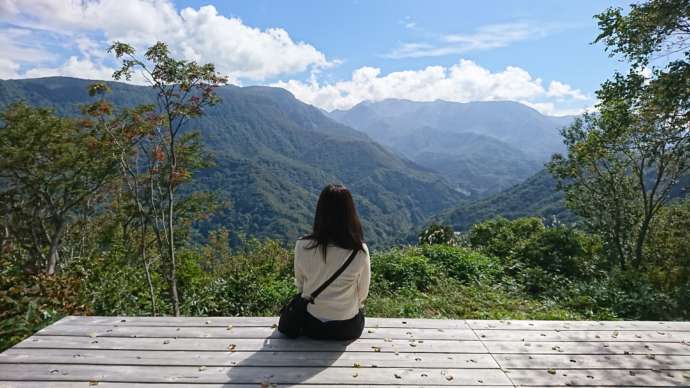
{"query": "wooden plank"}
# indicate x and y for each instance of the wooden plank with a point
(563, 361)
(584, 335)
(241, 344)
(371, 322)
(241, 332)
(669, 348)
(601, 377)
(577, 325)
(265, 359)
(250, 375)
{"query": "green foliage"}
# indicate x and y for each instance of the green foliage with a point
(463, 264)
(52, 171)
(536, 196)
(623, 163)
(502, 238)
(30, 302)
(399, 269)
(437, 234)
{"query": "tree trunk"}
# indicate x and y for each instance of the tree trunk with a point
(147, 267)
(641, 238)
(171, 230)
(53, 255)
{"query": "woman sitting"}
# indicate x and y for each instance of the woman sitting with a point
(337, 312)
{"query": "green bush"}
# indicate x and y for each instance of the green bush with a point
(463, 264)
(30, 302)
(502, 238)
(557, 250)
(403, 268)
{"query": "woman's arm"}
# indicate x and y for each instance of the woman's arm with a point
(299, 275)
(364, 279)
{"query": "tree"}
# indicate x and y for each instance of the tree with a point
(183, 90)
(623, 162)
(52, 170)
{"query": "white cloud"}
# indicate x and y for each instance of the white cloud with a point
(8, 69)
(561, 90)
(73, 67)
(462, 82)
(408, 22)
(202, 34)
(485, 37)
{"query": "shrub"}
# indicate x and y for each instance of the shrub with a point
(30, 302)
(557, 250)
(463, 264)
(502, 238)
(403, 268)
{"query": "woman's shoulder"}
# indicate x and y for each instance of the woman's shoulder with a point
(303, 242)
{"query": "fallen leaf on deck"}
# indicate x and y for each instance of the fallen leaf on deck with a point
(552, 371)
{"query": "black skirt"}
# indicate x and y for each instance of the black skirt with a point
(334, 330)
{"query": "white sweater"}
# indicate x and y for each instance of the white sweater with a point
(343, 298)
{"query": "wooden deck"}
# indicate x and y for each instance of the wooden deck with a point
(246, 352)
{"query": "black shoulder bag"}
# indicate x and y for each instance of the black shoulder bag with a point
(292, 314)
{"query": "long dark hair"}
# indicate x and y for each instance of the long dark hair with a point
(336, 221)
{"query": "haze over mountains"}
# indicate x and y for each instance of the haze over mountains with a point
(480, 147)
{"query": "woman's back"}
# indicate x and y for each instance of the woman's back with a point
(343, 298)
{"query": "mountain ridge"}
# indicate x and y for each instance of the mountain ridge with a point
(273, 155)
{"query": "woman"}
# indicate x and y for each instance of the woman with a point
(337, 312)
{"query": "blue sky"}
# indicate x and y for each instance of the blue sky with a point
(333, 54)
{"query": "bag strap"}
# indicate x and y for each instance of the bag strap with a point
(333, 277)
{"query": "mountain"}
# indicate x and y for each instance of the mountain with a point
(480, 147)
(537, 196)
(273, 154)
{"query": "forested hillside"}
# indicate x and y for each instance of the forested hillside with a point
(537, 196)
(272, 155)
